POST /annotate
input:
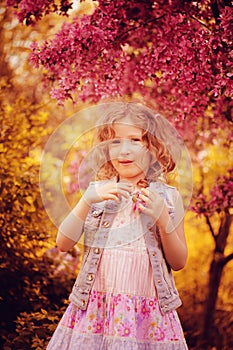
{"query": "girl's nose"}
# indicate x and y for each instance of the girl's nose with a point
(124, 147)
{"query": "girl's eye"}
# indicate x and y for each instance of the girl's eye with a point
(115, 141)
(136, 139)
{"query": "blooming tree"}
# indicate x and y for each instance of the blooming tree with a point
(174, 53)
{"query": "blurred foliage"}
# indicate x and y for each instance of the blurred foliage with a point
(25, 228)
(32, 278)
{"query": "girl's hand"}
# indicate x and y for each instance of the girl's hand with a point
(152, 204)
(111, 190)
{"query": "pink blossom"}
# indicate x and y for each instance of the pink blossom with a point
(220, 197)
(72, 187)
(98, 327)
(125, 329)
(178, 55)
(145, 309)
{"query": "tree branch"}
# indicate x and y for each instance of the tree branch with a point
(201, 22)
(121, 35)
(143, 24)
(227, 258)
(215, 10)
(211, 228)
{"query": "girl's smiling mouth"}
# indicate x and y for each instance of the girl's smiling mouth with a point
(125, 162)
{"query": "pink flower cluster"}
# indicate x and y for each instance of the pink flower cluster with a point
(30, 11)
(220, 197)
(73, 172)
(177, 54)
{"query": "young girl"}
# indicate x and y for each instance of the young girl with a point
(124, 297)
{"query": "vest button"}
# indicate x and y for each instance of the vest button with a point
(83, 302)
(90, 277)
(95, 213)
(154, 253)
(106, 224)
(97, 250)
(158, 281)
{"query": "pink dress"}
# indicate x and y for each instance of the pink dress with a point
(123, 312)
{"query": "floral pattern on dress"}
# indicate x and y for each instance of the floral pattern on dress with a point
(124, 316)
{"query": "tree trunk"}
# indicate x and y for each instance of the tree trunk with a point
(215, 274)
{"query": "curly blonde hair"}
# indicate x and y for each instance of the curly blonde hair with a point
(158, 135)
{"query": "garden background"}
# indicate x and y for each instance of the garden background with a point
(58, 58)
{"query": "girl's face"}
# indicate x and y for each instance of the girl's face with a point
(128, 153)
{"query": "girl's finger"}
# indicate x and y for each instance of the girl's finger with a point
(144, 198)
(113, 197)
(125, 186)
(123, 193)
(143, 208)
(151, 194)
(145, 191)
(124, 190)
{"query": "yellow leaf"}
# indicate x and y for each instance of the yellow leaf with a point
(2, 149)
(29, 199)
(149, 83)
(159, 74)
(44, 312)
